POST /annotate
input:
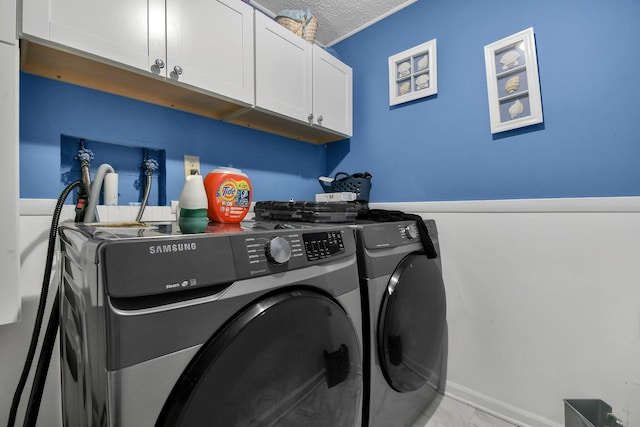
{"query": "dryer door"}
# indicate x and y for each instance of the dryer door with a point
(411, 325)
(291, 359)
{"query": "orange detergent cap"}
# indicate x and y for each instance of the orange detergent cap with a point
(229, 195)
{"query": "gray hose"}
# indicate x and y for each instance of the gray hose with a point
(145, 198)
(86, 175)
(94, 195)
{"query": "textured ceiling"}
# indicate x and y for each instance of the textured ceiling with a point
(337, 19)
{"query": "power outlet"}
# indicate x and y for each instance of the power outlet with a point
(191, 165)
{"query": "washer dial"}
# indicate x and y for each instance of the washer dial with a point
(278, 250)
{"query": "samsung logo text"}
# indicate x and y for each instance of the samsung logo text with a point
(170, 248)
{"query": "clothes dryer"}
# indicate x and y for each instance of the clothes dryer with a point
(405, 329)
(244, 325)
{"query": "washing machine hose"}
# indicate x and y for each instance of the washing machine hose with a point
(40, 375)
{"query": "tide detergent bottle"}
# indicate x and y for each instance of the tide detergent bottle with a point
(229, 195)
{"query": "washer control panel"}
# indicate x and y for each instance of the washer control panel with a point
(277, 250)
(281, 250)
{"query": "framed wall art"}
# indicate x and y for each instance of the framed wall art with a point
(512, 82)
(413, 73)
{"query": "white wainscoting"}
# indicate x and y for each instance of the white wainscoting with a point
(543, 304)
(543, 300)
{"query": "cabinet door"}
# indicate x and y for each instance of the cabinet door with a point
(210, 46)
(8, 21)
(332, 92)
(117, 30)
(283, 70)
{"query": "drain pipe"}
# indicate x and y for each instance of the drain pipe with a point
(149, 166)
(94, 195)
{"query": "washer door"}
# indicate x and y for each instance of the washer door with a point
(291, 359)
(411, 324)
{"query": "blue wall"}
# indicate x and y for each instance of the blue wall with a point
(441, 147)
(279, 168)
(436, 148)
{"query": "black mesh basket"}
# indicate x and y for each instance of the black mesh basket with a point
(359, 183)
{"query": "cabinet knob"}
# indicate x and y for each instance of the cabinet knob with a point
(159, 63)
(177, 69)
(310, 118)
(319, 120)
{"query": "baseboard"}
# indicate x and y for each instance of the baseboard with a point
(497, 408)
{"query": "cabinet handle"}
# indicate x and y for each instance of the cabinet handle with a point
(177, 69)
(310, 118)
(319, 120)
(159, 63)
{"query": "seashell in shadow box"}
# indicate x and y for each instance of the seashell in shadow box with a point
(510, 59)
(516, 109)
(423, 62)
(422, 82)
(404, 69)
(512, 84)
(404, 88)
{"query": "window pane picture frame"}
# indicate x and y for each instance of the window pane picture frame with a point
(413, 73)
(512, 82)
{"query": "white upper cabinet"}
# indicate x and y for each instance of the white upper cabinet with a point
(117, 30)
(332, 92)
(230, 62)
(8, 21)
(284, 72)
(210, 46)
(297, 79)
(207, 44)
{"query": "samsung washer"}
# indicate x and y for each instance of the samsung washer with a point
(243, 325)
(404, 322)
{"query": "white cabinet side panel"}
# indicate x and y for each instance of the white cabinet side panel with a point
(9, 256)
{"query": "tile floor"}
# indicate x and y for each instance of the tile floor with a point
(447, 412)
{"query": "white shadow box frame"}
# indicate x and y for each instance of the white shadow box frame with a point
(413, 73)
(512, 82)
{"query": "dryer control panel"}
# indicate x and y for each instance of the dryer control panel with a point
(390, 235)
